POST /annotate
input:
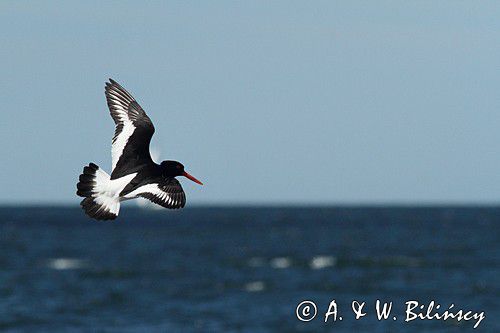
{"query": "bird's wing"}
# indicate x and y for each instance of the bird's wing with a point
(133, 132)
(168, 193)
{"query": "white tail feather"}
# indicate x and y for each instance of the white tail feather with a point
(102, 195)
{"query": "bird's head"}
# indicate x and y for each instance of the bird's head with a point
(174, 169)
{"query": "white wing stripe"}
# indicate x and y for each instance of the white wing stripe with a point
(121, 141)
(159, 196)
(149, 188)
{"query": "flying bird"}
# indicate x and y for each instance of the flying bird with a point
(134, 173)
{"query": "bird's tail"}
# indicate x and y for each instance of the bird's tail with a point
(100, 202)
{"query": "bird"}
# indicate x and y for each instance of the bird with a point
(134, 174)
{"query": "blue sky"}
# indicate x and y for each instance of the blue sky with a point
(265, 102)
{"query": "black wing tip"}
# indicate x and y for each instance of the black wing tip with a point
(116, 88)
(112, 83)
(178, 203)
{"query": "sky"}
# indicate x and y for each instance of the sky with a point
(282, 102)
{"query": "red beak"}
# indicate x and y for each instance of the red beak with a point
(187, 175)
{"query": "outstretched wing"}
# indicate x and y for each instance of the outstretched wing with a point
(168, 193)
(134, 129)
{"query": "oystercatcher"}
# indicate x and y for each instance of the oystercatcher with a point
(133, 172)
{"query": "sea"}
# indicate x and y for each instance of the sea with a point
(250, 269)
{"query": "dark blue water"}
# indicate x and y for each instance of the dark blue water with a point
(245, 269)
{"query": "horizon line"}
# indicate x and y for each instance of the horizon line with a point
(416, 204)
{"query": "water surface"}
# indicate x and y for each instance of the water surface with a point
(244, 269)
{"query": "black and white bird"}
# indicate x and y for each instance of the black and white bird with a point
(133, 173)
